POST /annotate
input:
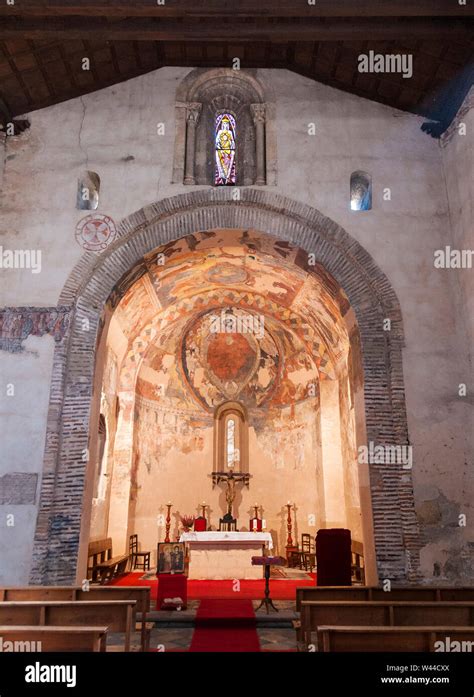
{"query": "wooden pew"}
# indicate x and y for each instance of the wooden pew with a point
(315, 614)
(25, 593)
(142, 594)
(104, 566)
(117, 615)
(391, 639)
(399, 593)
(54, 638)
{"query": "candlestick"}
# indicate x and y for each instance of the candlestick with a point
(168, 522)
(289, 541)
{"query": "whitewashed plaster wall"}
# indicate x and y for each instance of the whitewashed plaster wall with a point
(114, 132)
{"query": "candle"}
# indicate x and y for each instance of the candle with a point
(169, 503)
(289, 503)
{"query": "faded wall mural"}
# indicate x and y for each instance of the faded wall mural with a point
(227, 315)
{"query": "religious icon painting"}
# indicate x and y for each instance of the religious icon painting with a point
(171, 558)
(225, 150)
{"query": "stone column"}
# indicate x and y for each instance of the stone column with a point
(258, 115)
(193, 110)
(121, 480)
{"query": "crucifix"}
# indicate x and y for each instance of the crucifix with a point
(230, 478)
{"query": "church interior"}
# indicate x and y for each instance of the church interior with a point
(237, 326)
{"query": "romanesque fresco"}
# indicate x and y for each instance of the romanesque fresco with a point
(229, 365)
(250, 272)
(228, 315)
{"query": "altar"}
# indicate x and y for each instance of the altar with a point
(225, 555)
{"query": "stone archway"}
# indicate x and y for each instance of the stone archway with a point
(58, 553)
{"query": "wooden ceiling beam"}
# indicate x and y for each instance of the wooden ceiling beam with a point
(242, 8)
(278, 32)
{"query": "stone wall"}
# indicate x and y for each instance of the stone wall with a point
(114, 132)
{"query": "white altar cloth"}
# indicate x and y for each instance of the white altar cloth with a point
(222, 536)
(225, 555)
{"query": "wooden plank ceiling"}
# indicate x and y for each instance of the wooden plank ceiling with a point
(43, 43)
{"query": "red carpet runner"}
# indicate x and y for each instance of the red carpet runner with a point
(225, 625)
(198, 590)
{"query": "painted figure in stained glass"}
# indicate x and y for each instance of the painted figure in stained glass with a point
(225, 150)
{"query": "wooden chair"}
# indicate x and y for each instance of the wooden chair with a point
(308, 552)
(305, 555)
(357, 566)
(135, 555)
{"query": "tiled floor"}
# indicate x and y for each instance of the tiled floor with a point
(277, 639)
(174, 630)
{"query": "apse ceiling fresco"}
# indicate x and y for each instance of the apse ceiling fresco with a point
(231, 315)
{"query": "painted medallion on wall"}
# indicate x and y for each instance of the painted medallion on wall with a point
(95, 232)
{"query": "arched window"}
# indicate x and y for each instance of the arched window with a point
(225, 130)
(224, 148)
(361, 191)
(88, 189)
(230, 438)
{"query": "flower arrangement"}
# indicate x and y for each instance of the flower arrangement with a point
(187, 521)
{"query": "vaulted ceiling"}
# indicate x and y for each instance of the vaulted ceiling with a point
(232, 314)
(43, 43)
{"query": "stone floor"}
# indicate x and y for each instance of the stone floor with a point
(179, 639)
(174, 629)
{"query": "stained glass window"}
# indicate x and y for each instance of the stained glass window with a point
(230, 442)
(225, 150)
(361, 191)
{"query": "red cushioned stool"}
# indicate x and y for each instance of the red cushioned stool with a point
(170, 588)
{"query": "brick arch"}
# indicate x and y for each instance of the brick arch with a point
(95, 278)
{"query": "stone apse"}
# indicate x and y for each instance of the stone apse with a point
(138, 376)
(219, 317)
